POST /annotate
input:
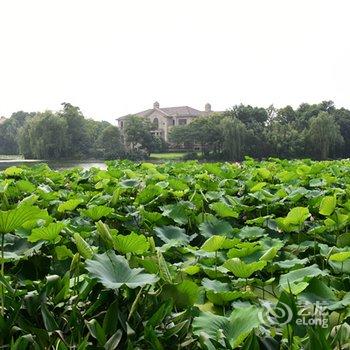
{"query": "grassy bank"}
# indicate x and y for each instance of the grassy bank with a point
(167, 156)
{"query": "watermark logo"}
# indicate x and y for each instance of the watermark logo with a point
(307, 314)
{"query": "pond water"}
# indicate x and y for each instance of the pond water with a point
(66, 164)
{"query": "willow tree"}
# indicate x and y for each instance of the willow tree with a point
(44, 136)
(234, 133)
(323, 135)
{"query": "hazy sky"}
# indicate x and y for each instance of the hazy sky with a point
(113, 57)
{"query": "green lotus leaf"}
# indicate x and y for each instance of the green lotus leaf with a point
(259, 220)
(84, 248)
(151, 216)
(343, 240)
(328, 205)
(191, 270)
(294, 219)
(224, 210)
(105, 233)
(223, 298)
(295, 288)
(297, 215)
(336, 305)
(184, 294)
(258, 186)
(251, 232)
(62, 252)
(148, 193)
(69, 205)
(317, 182)
(177, 185)
(265, 173)
(215, 271)
(318, 291)
(113, 272)
(300, 275)
(213, 244)
(215, 227)
(241, 269)
(13, 171)
(25, 186)
(341, 256)
(29, 200)
(48, 233)
(132, 243)
(18, 248)
(215, 285)
(270, 254)
(12, 219)
(172, 235)
(178, 212)
(129, 183)
(235, 329)
(97, 212)
(220, 293)
(241, 250)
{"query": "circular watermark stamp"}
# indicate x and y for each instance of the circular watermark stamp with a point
(275, 314)
(306, 314)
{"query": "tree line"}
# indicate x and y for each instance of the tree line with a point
(63, 134)
(68, 134)
(318, 131)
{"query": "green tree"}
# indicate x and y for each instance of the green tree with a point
(205, 132)
(137, 133)
(248, 115)
(45, 135)
(94, 131)
(286, 115)
(9, 132)
(24, 146)
(324, 134)
(342, 117)
(110, 143)
(284, 140)
(306, 112)
(234, 133)
(255, 120)
(77, 135)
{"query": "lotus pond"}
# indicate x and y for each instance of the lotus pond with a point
(176, 256)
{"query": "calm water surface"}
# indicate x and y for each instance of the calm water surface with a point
(53, 164)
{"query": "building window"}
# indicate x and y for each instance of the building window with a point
(173, 121)
(121, 124)
(156, 123)
(182, 121)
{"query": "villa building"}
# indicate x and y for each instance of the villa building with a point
(165, 118)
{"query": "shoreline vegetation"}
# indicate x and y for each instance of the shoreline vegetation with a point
(171, 156)
(316, 131)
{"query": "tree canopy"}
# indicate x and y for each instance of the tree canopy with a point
(317, 131)
(64, 134)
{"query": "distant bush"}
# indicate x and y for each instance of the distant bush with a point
(190, 156)
(136, 154)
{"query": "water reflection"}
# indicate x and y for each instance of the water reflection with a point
(57, 165)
